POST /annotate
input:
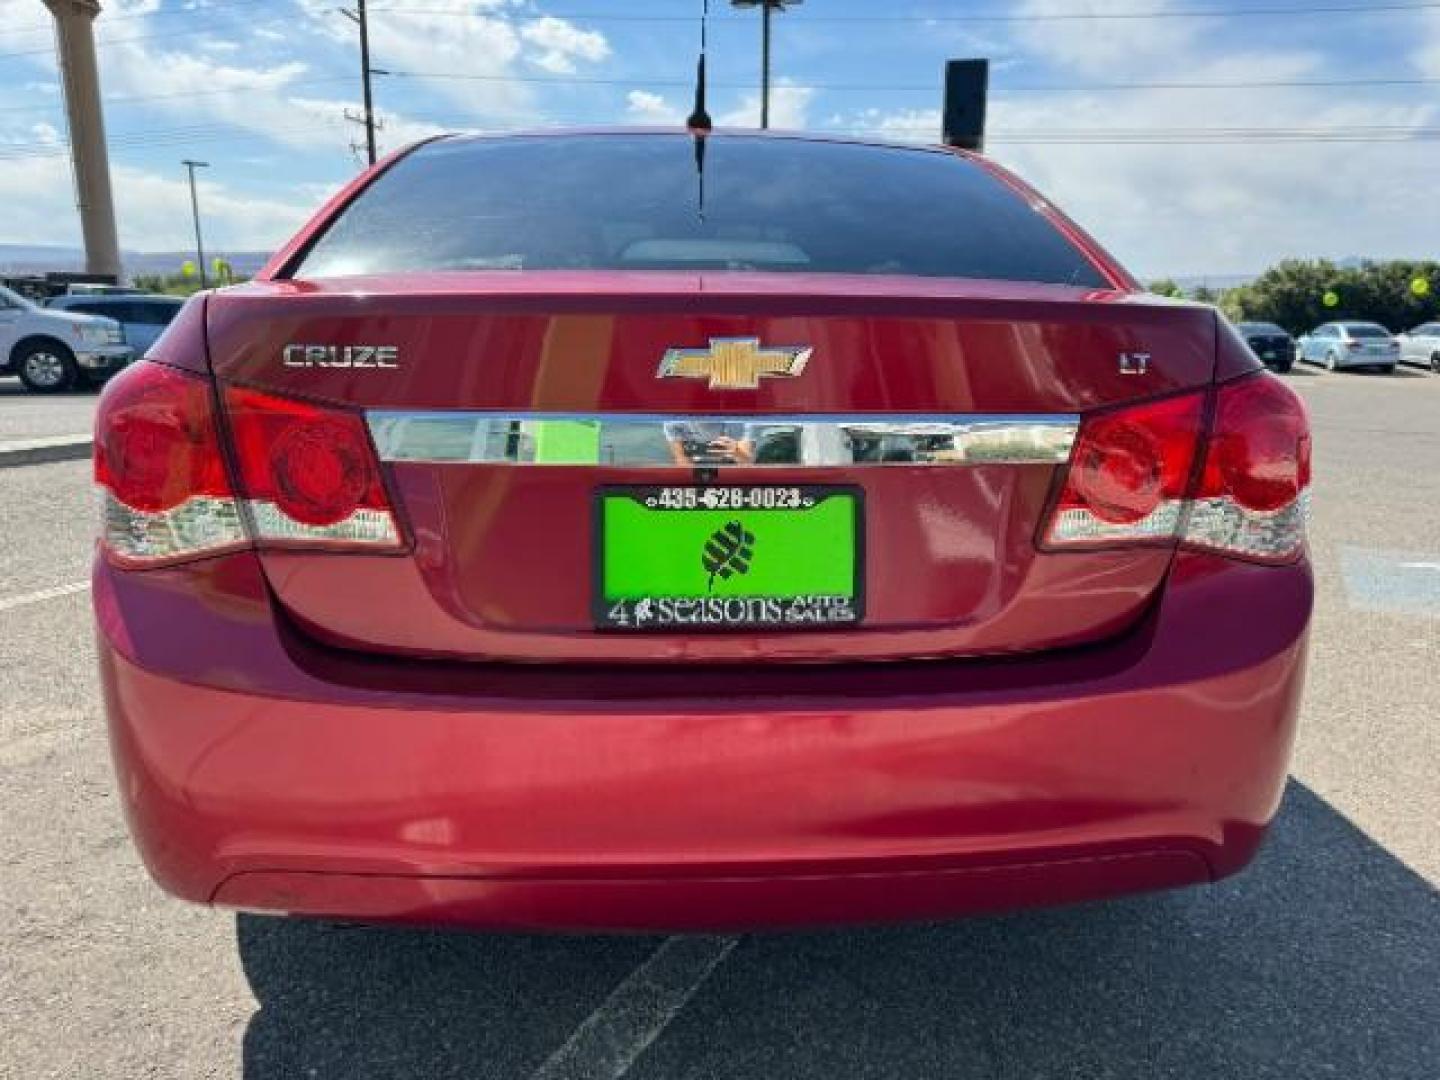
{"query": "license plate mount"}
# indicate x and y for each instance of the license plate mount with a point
(683, 558)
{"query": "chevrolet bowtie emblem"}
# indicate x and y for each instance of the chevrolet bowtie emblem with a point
(735, 363)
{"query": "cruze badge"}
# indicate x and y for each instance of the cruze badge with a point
(341, 356)
(735, 363)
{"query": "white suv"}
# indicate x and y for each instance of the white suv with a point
(55, 350)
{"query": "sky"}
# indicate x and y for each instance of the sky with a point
(1189, 144)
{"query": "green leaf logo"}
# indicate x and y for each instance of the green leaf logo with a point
(727, 552)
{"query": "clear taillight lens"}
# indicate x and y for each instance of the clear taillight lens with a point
(160, 470)
(1133, 475)
(1253, 497)
(309, 475)
(1129, 474)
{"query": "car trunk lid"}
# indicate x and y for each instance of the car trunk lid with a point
(514, 399)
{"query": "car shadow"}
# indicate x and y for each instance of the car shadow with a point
(1402, 371)
(1323, 959)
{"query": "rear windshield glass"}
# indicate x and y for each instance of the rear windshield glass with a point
(632, 202)
(1364, 331)
(1260, 328)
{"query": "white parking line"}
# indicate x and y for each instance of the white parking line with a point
(9, 603)
(614, 1036)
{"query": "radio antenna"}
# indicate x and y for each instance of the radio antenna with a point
(699, 123)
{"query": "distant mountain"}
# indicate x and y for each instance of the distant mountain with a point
(1192, 282)
(38, 259)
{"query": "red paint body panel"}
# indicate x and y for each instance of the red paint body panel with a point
(245, 749)
(502, 556)
(554, 341)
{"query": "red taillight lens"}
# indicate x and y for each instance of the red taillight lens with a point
(1253, 497)
(1128, 474)
(308, 473)
(158, 460)
(321, 472)
(1260, 448)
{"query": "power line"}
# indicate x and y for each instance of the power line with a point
(134, 99)
(679, 82)
(163, 13)
(921, 18)
(927, 88)
(991, 17)
(975, 17)
(104, 43)
(140, 141)
(1178, 136)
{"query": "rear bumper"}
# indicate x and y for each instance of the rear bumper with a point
(1360, 360)
(262, 771)
(105, 360)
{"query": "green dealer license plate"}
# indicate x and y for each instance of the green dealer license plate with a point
(683, 558)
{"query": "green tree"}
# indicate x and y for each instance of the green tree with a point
(181, 284)
(1165, 287)
(1299, 294)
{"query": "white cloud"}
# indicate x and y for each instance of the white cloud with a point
(789, 108)
(1217, 208)
(646, 108)
(1426, 57)
(903, 125)
(477, 40)
(561, 43)
(256, 100)
(1103, 46)
(38, 193)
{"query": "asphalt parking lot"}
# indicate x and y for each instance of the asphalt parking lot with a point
(1322, 960)
(24, 415)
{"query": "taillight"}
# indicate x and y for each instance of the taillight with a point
(159, 466)
(1133, 478)
(1253, 496)
(308, 474)
(1129, 474)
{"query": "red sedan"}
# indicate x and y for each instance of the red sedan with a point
(556, 536)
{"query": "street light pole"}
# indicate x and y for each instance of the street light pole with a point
(765, 66)
(767, 8)
(195, 211)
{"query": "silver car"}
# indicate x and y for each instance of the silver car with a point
(1422, 346)
(142, 318)
(1337, 345)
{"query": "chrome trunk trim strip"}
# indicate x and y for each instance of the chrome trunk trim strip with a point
(633, 440)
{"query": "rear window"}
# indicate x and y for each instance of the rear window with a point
(632, 202)
(92, 308)
(1364, 330)
(1260, 328)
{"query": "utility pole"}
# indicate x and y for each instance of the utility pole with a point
(75, 43)
(767, 7)
(195, 210)
(359, 19)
